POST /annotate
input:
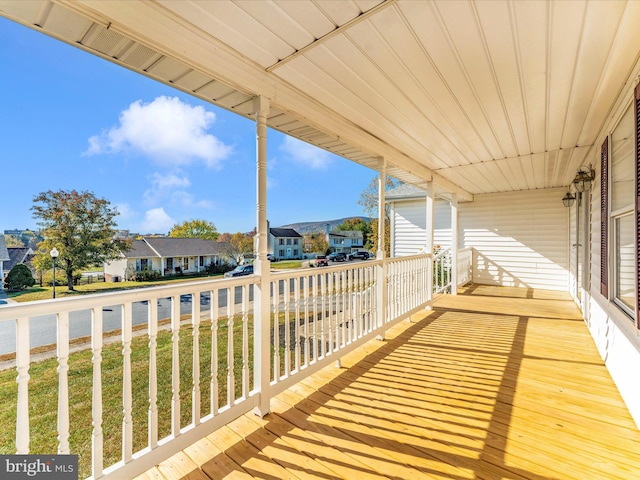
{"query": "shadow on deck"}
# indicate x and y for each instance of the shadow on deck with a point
(493, 383)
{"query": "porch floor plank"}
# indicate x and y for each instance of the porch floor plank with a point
(494, 383)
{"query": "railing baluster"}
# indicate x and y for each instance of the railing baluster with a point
(152, 414)
(214, 353)
(195, 333)
(127, 395)
(287, 327)
(306, 321)
(245, 343)
(230, 361)
(97, 438)
(330, 316)
(296, 319)
(63, 382)
(175, 365)
(276, 331)
(22, 367)
(323, 310)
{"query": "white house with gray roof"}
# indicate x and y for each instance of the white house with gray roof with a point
(284, 243)
(4, 257)
(168, 256)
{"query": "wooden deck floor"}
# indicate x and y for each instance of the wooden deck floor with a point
(496, 383)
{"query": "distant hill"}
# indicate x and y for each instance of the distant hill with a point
(304, 228)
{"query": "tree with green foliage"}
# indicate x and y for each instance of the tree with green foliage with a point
(13, 241)
(369, 202)
(195, 229)
(80, 226)
(19, 278)
(315, 242)
(358, 224)
(237, 245)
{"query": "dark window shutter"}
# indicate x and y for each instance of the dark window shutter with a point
(604, 219)
(637, 206)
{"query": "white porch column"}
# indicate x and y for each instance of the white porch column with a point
(262, 319)
(454, 244)
(430, 212)
(380, 254)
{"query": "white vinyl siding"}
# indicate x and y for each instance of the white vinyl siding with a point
(409, 226)
(518, 238)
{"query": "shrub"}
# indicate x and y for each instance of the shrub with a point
(19, 278)
(213, 269)
(146, 275)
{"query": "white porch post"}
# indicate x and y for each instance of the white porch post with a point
(454, 244)
(429, 240)
(262, 318)
(380, 254)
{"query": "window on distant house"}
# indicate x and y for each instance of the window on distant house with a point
(295, 241)
(282, 241)
(201, 261)
(185, 264)
(621, 218)
(281, 253)
(295, 252)
(288, 241)
(144, 263)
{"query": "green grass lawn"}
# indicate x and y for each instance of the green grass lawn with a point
(284, 264)
(45, 293)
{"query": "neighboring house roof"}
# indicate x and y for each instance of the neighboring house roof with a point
(140, 249)
(4, 254)
(174, 247)
(284, 232)
(405, 191)
(18, 255)
(346, 233)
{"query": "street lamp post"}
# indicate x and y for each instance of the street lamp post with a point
(54, 254)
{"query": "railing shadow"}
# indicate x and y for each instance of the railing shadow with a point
(371, 419)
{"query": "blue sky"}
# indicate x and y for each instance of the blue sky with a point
(71, 120)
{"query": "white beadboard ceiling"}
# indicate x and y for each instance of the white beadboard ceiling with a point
(480, 96)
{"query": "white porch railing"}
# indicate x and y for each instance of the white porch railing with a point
(442, 265)
(187, 351)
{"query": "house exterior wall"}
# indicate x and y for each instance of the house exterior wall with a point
(287, 251)
(615, 333)
(409, 226)
(115, 268)
(518, 238)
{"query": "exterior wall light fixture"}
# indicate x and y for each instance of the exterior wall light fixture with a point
(584, 178)
(568, 199)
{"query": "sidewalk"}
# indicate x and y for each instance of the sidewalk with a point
(4, 299)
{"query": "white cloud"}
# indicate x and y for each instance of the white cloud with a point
(125, 212)
(305, 154)
(162, 184)
(156, 220)
(185, 199)
(167, 131)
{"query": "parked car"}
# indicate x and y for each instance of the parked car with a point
(240, 271)
(363, 255)
(321, 261)
(271, 257)
(337, 257)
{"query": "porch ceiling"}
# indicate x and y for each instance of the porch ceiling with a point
(482, 97)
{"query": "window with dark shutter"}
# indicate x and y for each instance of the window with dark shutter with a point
(604, 218)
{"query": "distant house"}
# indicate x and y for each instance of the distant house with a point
(4, 257)
(284, 243)
(168, 256)
(346, 241)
